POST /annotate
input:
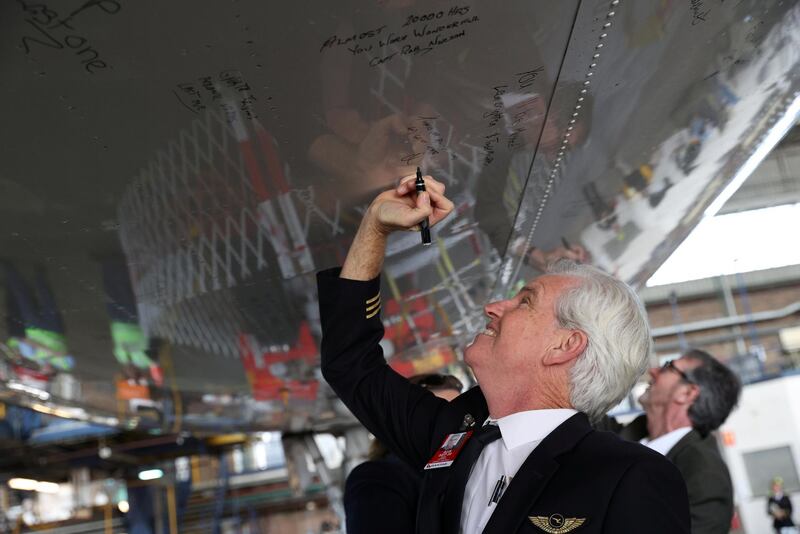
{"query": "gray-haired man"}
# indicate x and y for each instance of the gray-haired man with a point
(565, 349)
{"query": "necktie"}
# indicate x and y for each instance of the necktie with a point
(454, 497)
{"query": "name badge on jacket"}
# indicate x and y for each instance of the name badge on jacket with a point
(448, 450)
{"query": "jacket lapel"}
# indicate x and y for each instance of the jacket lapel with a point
(685, 441)
(534, 474)
(435, 481)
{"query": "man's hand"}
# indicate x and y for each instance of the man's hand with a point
(397, 209)
(403, 209)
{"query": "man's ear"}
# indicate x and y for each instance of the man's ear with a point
(572, 344)
(688, 394)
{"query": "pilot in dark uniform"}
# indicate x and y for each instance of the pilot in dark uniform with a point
(566, 349)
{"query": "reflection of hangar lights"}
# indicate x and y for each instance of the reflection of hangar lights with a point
(151, 474)
(775, 134)
(123, 506)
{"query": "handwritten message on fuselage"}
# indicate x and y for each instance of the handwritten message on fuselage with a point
(424, 134)
(509, 118)
(417, 35)
(696, 9)
(51, 30)
(208, 91)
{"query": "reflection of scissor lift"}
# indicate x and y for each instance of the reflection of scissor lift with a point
(281, 373)
(209, 212)
(465, 159)
(306, 464)
(293, 254)
(205, 216)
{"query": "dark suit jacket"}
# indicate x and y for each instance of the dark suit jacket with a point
(707, 481)
(785, 503)
(705, 473)
(614, 486)
(381, 496)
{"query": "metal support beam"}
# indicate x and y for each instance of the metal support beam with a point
(722, 322)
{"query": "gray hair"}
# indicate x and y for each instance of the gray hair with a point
(719, 391)
(614, 320)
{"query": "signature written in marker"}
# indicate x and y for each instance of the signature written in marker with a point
(698, 15)
(207, 90)
(49, 30)
(419, 35)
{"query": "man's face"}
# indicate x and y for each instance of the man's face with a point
(520, 332)
(666, 386)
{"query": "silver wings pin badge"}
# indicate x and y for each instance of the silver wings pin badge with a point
(557, 523)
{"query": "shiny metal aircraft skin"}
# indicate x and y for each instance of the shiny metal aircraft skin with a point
(174, 173)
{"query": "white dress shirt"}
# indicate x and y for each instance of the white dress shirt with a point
(663, 444)
(520, 433)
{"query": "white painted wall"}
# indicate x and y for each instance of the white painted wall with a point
(768, 416)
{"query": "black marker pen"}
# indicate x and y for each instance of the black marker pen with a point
(424, 224)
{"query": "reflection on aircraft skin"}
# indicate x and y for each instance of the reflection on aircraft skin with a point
(659, 194)
(183, 205)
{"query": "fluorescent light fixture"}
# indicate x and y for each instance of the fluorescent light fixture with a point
(123, 506)
(42, 408)
(24, 484)
(773, 137)
(27, 484)
(47, 487)
(150, 474)
(40, 393)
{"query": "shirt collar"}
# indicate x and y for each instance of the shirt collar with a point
(531, 425)
(664, 443)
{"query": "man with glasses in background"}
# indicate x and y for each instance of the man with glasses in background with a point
(687, 399)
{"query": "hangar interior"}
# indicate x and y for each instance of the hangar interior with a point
(174, 174)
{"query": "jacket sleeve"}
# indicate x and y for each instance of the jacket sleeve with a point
(377, 499)
(400, 414)
(650, 497)
(710, 493)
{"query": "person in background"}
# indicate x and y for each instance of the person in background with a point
(536, 147)
(779, 507)
(35, 325)
(688, 398)
(381, 494)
